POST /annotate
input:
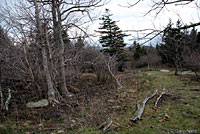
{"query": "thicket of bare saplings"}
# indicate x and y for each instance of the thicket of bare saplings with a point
(22, 69)
(41, 59)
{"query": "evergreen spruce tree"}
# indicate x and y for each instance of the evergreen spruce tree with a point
(139, 51)
(112, 38)
(173, 48)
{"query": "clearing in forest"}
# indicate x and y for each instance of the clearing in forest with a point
(177, 111)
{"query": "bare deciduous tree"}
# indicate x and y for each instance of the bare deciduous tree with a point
(40, 39)
(41, 32)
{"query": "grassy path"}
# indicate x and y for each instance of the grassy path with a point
(177, 112)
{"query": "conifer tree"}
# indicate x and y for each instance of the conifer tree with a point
(173, 48)
(112, 38)
(139, 51)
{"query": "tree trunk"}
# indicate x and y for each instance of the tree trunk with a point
(59, 40)
(176, 71)
(148, 67)
(1, 91)
(41, 41)
(51, 91)
(62, 66)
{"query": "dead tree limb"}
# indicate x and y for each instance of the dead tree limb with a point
(106, 128)
(117, 81)
(140, 108)
(156, 103)
(8, 100)
(1, 95)
(106, 125)
(102, 125)
(4, 106)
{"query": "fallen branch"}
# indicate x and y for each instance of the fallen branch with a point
(156, 103)
(140, 108)
(106, 125)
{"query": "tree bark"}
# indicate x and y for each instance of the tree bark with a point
(176, 70)
(1, 91)
(41, 41)
(59, 41)
(156, 103)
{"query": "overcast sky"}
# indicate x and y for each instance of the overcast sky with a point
(133, 18)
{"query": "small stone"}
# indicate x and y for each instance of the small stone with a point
(111, 101)
(186, 73)
(60, 131)
(73, 121)
(149, 74)
(167, 116)
(116, 107)
(40, 125)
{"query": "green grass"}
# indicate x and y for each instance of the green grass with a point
(6, 130)
(184, 113)
(177, 112)
(86, 131)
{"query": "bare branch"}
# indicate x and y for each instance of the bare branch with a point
(8, 100)
(109, 69)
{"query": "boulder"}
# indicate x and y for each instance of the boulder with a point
(164, 70)
(186, 73)
(38, 104)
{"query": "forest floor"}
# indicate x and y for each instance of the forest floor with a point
(178, 110)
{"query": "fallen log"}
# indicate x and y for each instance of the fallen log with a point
(140, 108)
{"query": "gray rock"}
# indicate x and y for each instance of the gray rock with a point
(195, 97)
(164, 70)
(60, 131)
(40, 103)
(167, 116)
(186, 73)
(149, 74)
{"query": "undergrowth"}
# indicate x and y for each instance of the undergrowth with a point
(178, 110)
